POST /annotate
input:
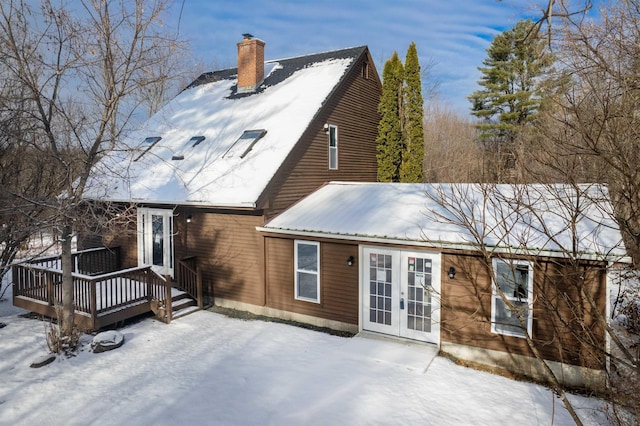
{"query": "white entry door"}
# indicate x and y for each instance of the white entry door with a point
(155, 239)
(401, 293)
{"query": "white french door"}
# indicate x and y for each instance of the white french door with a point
(155, 239)
(400, 293)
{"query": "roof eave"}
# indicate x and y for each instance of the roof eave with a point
(247, 205)
(443, 245)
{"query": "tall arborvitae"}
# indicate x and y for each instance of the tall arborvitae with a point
(390, 140)
(411, 169)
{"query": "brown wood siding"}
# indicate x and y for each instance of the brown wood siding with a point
(353, 108)
(466, 311)
(338, 281)
(227, 246)
(125, 238)
(229, 252)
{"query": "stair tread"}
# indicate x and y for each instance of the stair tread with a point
(185, 311)
(183, 302)
(175, 292)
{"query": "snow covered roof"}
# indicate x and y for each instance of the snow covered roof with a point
(532, 218)
(227, 167)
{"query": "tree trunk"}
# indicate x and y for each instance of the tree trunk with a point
(66, 322)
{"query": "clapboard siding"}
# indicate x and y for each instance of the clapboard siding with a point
(466, 311)
(338, 281)
(353, 109)
(228, 251)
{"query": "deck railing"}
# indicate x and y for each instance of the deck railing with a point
(92, 294)
(189, 278)
(97, 261)
(89, 262)
(99, 300)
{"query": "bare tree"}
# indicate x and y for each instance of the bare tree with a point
(508, 226)
(451, 153)
(82, 71)
(26, 174)
(590, 129)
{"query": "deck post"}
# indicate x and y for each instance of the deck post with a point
(92, 300)
(167, 299)
(199, 287)
(51, 297)
(15, 280)
(147, 275)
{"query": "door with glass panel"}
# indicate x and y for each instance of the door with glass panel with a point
(155, 239)
(400, 293)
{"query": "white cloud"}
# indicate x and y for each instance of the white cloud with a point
(455, 34)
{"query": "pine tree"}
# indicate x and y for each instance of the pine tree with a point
(515, 60)
(411, 169)
(390, 139)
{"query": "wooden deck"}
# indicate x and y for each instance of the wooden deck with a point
(104, 294)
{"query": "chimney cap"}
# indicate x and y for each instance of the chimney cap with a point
(247, 36)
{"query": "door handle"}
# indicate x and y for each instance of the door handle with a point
(402, 304)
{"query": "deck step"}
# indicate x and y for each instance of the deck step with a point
(184, 312)
(182, 304)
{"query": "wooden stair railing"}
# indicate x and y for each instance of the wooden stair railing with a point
(189, 278)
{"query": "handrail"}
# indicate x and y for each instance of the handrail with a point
(97, 294)
(189, 278)
(87, 277)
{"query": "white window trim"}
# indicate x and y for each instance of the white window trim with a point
(334, 128)
(144, 237)
(495, 296)
(296, 270)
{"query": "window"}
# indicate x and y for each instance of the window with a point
(515, 279)
(365, 70)
(244, 143)
(307, 271)
(333, 147)
(193, 142)
(147, 144)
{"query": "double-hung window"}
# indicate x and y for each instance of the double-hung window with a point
(333, 147)
(515, 279)
(307, 271)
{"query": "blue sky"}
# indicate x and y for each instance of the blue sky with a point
(454, 34)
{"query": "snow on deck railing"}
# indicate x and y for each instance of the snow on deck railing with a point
(94, 295)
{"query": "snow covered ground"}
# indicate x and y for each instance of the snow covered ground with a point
(206, 368)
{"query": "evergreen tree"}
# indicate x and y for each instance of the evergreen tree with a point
(411, 169)
(509, 99)
(390, 140)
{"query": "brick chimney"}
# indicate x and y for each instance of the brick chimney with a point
(250, 63)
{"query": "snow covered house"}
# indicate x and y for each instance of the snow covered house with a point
(230, 151)
(233, 149)
(417, 261)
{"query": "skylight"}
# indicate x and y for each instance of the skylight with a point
(244, 143)
(193, 142)
(146, 145)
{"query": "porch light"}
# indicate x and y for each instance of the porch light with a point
(350, 261)
(189, 218)
(452, 272)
